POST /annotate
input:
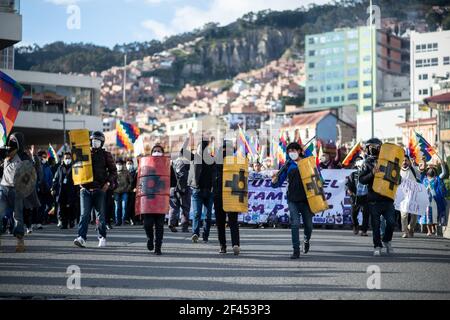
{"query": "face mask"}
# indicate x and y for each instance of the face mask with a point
(96, 144)
(119, 167)
(293, 155)
(43, 161)
(67, 162)
(157, 154)
(129, 167)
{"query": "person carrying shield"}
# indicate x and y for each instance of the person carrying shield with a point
(17, 183)
(93, 194)
(378, 205)
(152, 202)
(236, 197)
(297, 199)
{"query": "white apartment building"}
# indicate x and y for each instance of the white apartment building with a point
(430, 62)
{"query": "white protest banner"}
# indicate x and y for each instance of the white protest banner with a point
(411, 197)
(267, 204)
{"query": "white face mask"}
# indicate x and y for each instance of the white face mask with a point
(293, 155)
(157, 154)
(67, 162)
(96, 143)
(129, 167)
(44, 161)
(119, 167)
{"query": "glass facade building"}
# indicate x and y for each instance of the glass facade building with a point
(338, 68)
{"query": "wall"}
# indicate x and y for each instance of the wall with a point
(386, 122)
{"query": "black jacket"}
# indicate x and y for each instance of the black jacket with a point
(104, 169)
(366, 177)
(295, 191)
(64, 192)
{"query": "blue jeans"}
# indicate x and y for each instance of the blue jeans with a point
(296, 209)
(12, 201)
(120, 201)
(202, 198)
(92, 199)
(377, 210)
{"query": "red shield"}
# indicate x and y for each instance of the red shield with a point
(153, 186)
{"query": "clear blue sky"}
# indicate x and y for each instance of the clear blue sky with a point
(108, 22)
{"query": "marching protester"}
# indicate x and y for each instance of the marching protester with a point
(408, 172)
(180, 193)
(44, 194)
(11, 195)
(32, 204)
(221, 215)
(200, 180)
(297, 200)
(131, 192)
(121, 193)
(436, 210)
(377, 205)
(327, 162)
(93, 195)
(358, 194)
(65, 193)
(153, 218)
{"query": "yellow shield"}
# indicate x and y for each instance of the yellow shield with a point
(389, 163)
(235, 184)
(313, 185)
(82, 162)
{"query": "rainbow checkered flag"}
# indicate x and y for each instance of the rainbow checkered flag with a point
(52, 153)
(424, 147)
(127, 134)
(11, 93)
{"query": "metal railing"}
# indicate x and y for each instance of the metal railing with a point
(10, 6)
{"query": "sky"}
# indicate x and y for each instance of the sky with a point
(111, 22)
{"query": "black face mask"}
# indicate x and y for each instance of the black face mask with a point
(431, 174)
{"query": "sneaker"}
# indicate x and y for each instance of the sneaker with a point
(117, 225)
(38, 227)
(295, 255)
(205, 239)
(72, 224)
(150, 245)
(388, 246)
(173, 228)
(411, 234)
(364, 234)
(306, 247)
(109, 227)
(355, 231)
(158, 251)
(236, 250)
(405, 235)
(29, 230)
(101, 242)
(59, 225)
(131, 222)
(194, 238)
(80, 242)
(223, 250)
(377, 252)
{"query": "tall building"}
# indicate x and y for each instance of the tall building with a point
(10, 31)
(41, 117)
(430, 62)
(339, 73)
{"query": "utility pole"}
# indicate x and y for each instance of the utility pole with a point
(124, 83)
(373, 60)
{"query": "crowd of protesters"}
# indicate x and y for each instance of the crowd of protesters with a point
(110, 199)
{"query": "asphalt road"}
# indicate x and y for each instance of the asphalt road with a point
(335, 268)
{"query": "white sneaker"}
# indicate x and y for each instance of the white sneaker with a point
(29, 231)
(236, 250)
(377, 252)
(388, 246)
(80, 242)
(59, 224)
(101, 242)
(38, 227)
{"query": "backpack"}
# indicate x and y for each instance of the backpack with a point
(181, 169)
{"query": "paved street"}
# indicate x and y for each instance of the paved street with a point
(335, 268)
